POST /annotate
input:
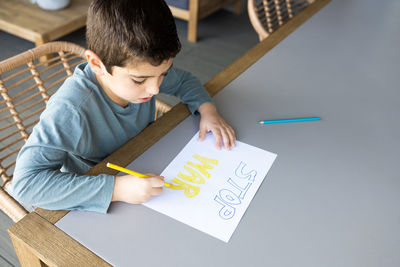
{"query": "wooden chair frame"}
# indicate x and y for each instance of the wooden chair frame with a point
(27, 81)
(199, 9)
(267, 15)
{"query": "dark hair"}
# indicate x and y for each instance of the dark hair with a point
(121, 31)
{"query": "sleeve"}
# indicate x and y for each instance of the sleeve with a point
(38, 179)
(187, 87)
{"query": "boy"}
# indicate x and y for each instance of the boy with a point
(108, 100)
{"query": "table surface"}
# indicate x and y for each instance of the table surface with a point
(330, 197)
(29, 21)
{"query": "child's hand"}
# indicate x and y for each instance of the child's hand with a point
(135, 190)
(212, 121)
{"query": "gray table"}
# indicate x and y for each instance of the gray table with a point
(331, 197)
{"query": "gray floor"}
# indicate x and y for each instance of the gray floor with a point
(223, 37)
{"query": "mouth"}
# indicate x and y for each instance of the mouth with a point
(145, 99)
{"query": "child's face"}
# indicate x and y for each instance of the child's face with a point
(136, 83)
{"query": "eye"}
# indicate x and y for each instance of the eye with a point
(138, 82)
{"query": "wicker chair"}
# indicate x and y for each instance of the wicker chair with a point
(267, 15)
(26, 83)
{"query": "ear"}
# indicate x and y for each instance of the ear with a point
(95, 63)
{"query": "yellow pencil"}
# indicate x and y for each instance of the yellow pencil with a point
(122, 169)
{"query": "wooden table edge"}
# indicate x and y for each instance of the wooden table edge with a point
(37, 241)
(38, 37)
(65, 29)
(19, 31)
(20, 232)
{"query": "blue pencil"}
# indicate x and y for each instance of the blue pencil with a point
(290, 120)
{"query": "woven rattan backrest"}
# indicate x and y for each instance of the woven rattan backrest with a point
(161, 108)
(26, 83)
(267, 15)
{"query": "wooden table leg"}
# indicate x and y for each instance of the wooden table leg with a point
(237, 7)
(193, 20)
(39, 41)
(25, 256)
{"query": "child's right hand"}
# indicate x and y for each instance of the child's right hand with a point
(135, 190)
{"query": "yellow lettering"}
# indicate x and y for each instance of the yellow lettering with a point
(206, 165)
(189, 190)
(194, 176)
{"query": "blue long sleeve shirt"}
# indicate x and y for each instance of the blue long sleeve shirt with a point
(79, 128)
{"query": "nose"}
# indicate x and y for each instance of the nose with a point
(153, 89)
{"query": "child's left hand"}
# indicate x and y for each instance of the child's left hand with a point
(212, 121)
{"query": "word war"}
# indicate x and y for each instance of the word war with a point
(195, 177)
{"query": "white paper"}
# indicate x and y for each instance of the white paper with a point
(224, 196)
